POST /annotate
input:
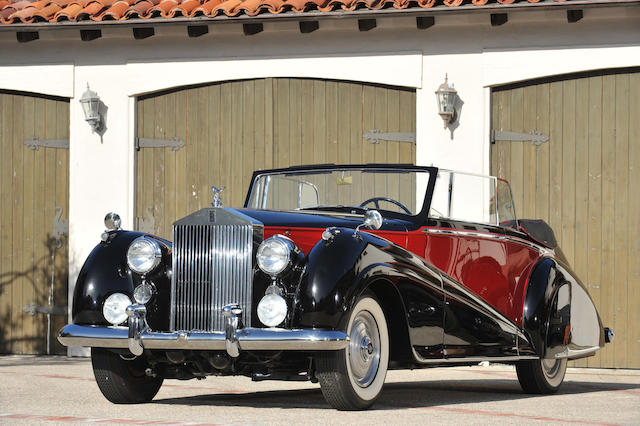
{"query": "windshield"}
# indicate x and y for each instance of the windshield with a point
(342, 190)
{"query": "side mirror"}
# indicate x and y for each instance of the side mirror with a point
(372, 219)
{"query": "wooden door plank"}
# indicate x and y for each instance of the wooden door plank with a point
(527, 208)
(568, 194)
(381, 123)
(406, 156)
(139, 163)
(27, 268)
(369, 123)
(40, 231)
(542, 153)
(258, 113)
(504, 148)
(269, 120)
(181, 155)
(61, 199)
(159, 172)
(297, 112)
(248, 101)
(594, 233)
(18, 245)
(393, 148)
(7, 315)
(307, 109)
(147, 156)
(607, 286)
(555, 158)
(633, 266)
(214, 140)
(49, 248)
(281, 123)
(516, 159)
(331, 114)
(237, 153)
(170, 158)
(193, 150)
(495, 124)
(344, 132)
(226, 138)
(581, 249)
(621, 218)
(201, 130)
(319, 122)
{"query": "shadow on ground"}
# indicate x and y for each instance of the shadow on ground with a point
(398, 395)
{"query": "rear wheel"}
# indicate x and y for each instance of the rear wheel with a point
(541, 376)
(352, 379)
(122, 381)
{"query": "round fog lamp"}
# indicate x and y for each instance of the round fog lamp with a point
(115, 308)
(143, 293)
(272, 310)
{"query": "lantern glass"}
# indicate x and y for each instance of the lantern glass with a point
(90, 102)
(446, 97)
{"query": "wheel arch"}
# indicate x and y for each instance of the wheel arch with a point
(392, 305)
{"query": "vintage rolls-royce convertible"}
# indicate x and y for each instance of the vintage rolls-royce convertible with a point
(334, 274)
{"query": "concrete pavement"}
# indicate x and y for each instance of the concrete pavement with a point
(62, 390)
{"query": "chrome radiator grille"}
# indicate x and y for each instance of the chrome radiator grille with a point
(212, 267)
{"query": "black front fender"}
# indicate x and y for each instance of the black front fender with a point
(106, 272)
(339, 271)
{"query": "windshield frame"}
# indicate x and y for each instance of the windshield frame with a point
(419, 217)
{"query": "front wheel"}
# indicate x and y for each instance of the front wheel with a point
(541, 376)
(352, 379)
(122, 381)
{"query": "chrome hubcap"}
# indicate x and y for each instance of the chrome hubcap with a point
(550, 367)
(364, 348)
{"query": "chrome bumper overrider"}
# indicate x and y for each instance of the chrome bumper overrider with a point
(137, 337)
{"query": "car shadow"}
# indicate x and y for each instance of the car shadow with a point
(398, 395)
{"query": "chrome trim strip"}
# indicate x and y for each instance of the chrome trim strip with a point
(422, 360)
(249, 339)
(487, 235)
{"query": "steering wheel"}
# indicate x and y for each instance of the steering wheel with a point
(376, 202)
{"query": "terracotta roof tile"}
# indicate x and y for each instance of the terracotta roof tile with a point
(52, 11)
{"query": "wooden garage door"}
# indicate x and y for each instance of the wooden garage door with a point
(233, 128)
(33, 193)
(584, 181)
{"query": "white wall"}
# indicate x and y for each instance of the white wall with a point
(472, 53)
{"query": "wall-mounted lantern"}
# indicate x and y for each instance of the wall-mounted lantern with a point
(446, 96)
(90, 102)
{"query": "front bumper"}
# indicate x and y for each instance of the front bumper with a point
(137, 337)
(249, 339)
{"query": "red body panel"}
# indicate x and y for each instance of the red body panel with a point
(495, 269)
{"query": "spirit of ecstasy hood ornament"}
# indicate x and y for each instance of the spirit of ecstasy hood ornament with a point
(217, 202)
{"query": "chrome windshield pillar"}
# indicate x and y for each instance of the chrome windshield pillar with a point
(137, 326)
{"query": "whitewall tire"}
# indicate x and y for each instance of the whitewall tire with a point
(541, 376)
(352, 379)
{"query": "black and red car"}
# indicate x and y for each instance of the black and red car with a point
(334, 274)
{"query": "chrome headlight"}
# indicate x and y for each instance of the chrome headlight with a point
(144, 255)
(272, 309)
(115, 308)
(274, 254)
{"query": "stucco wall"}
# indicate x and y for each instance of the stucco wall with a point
(473, 54)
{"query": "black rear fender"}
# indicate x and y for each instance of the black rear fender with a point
(559, 316)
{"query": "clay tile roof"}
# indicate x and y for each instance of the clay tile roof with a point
(53, 11)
